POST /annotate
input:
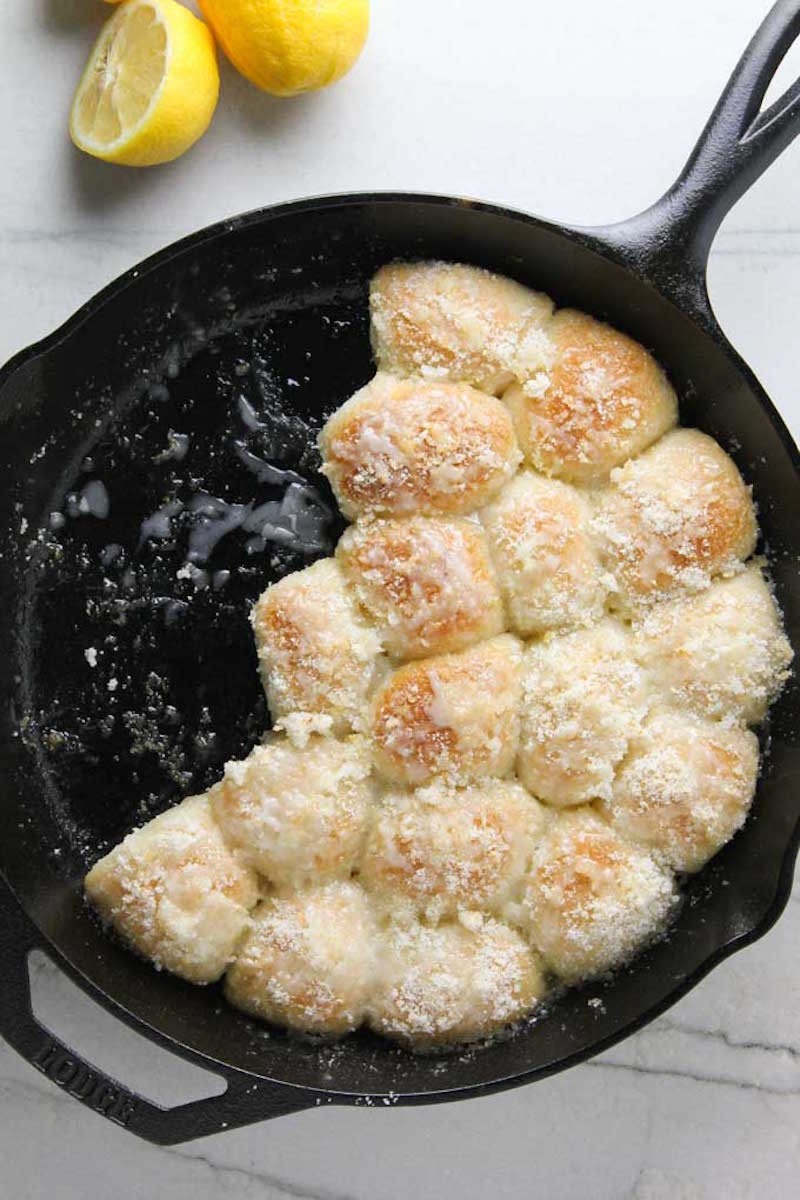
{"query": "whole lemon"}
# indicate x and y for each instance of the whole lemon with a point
(290, 46)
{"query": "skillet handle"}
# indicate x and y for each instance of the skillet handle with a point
(669, 243)
(247, 1098)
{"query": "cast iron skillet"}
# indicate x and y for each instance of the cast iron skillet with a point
(271, 307)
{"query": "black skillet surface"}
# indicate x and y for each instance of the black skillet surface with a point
(244, 337)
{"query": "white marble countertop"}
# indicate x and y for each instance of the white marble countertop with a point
(578, 111)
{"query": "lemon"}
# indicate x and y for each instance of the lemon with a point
(150, 86)
(290, 46)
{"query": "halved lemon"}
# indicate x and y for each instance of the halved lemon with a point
(150, 87)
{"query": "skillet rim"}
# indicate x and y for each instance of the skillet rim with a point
(611, 244)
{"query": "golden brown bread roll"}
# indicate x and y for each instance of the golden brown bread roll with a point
(685, 787)
(309, 960)
(548, 567)
(427, 582)
(451, 321)
(317, 654)
(603, 400)
(455, 715)
(721, 652)
(675, 518)
(176, 893)
(441, 848)
(593, 898)
(583, 697)
(297, 815)
(449, 983)
(404, 446)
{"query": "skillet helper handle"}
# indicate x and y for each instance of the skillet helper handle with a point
(669, 243)
(247, 1098)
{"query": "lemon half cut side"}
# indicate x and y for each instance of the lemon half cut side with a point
(150, 87)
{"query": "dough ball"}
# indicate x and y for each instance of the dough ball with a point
(685, 788)
(403, 446)
(675, 518)
(450, 321)
(449, 983)
(428, 582)
(603, 399)
(316, 653)
(295, 814)
(583, 697)
(593, 898)
(309, 961)
(455, 715)
(722, 652)
(549, 570)
(176, 893)
(440, 848)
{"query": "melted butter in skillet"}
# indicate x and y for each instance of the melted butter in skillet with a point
(203, 491)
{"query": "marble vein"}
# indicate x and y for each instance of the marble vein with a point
(105, 236)
(29, 1092)
(694, 1076)
(279, 1185)
(32, 1091)
(727, 1039)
